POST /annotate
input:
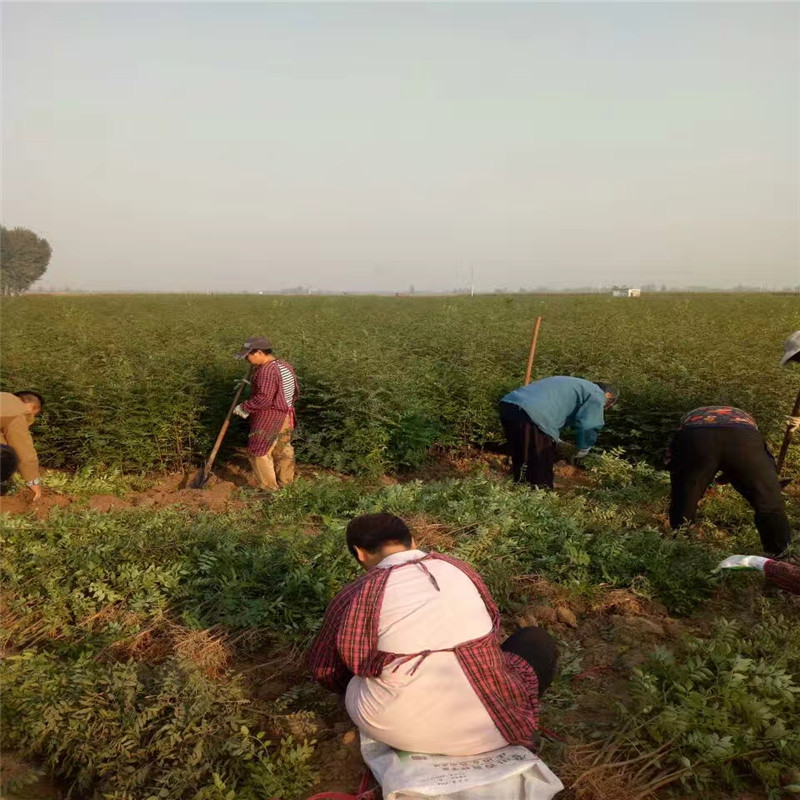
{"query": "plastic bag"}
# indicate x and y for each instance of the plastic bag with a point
(510, 773)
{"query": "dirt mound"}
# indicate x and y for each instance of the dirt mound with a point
(216, 495)
(22, 501)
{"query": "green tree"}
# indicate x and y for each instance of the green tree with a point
(24, 257)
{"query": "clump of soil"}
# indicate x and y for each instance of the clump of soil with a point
(22, 501)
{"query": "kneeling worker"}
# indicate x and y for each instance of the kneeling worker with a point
(536, 413)
(415, 647)
(724, 439)
(17, 413)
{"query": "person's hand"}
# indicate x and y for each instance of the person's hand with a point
(37, 492)
(793, 424)
(742, 562)
(240, 412)
(564, 451)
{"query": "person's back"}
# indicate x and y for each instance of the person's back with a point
(562, 401)
(429, 706)
(17, 412)
(414, 646)
(11, 410)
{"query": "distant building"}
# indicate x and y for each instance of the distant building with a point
(626, 291)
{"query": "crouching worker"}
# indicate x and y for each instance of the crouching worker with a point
(534, 415)
(715, 439)
(414, 645)
(17, 413)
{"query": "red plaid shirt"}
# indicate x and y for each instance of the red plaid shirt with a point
(784, 576)
(347, 645)
(273, 393)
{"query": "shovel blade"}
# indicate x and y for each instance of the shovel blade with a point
(199, 480)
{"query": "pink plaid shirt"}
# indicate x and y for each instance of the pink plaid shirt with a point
(347, 645)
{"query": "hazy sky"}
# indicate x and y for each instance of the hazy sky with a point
(230, 146)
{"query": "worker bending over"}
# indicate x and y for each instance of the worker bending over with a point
(17, 413)
(271, 411)
(536, 414)
(715, 439)
(414, 645)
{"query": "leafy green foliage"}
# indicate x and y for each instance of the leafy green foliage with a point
(24, 257)
(728, 706)
(144, 382)
(144, 732)
(80, 586)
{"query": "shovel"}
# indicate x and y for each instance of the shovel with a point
(787, 438)
(199, 480)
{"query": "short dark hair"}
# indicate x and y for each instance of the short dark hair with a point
(28, 396)
(370, 532)
(608, 389)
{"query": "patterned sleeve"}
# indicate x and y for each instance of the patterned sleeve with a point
(266, 384)
(784, 576)
(525, 672)
(323, 659)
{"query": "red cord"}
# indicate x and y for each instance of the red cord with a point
(333, 796)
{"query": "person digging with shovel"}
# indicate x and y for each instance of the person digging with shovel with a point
(271, 412)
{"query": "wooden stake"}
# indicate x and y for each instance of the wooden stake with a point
(528, 373)
(532, 353)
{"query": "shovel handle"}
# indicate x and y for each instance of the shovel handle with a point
(787, 436)
(225, 425)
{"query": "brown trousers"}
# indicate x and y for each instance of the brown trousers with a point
(276, 468)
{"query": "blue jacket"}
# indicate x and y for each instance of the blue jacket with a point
(560, 402)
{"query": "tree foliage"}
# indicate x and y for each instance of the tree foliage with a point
(24, 257)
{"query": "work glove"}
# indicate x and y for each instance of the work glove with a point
(742, 562)
(240, 412)
(583, 453)
(793, 424)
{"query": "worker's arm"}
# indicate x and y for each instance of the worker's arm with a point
(323, 659)
(265, 386)
(588, 422)
(784, 575)
(20, 440)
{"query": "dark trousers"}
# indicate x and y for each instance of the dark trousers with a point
(8, 466)
(535, 466)
(539, 649)
(698, 454)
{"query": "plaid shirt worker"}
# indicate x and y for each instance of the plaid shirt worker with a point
(347, 645)
(273, 394)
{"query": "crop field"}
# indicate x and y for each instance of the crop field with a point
(153, 635)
